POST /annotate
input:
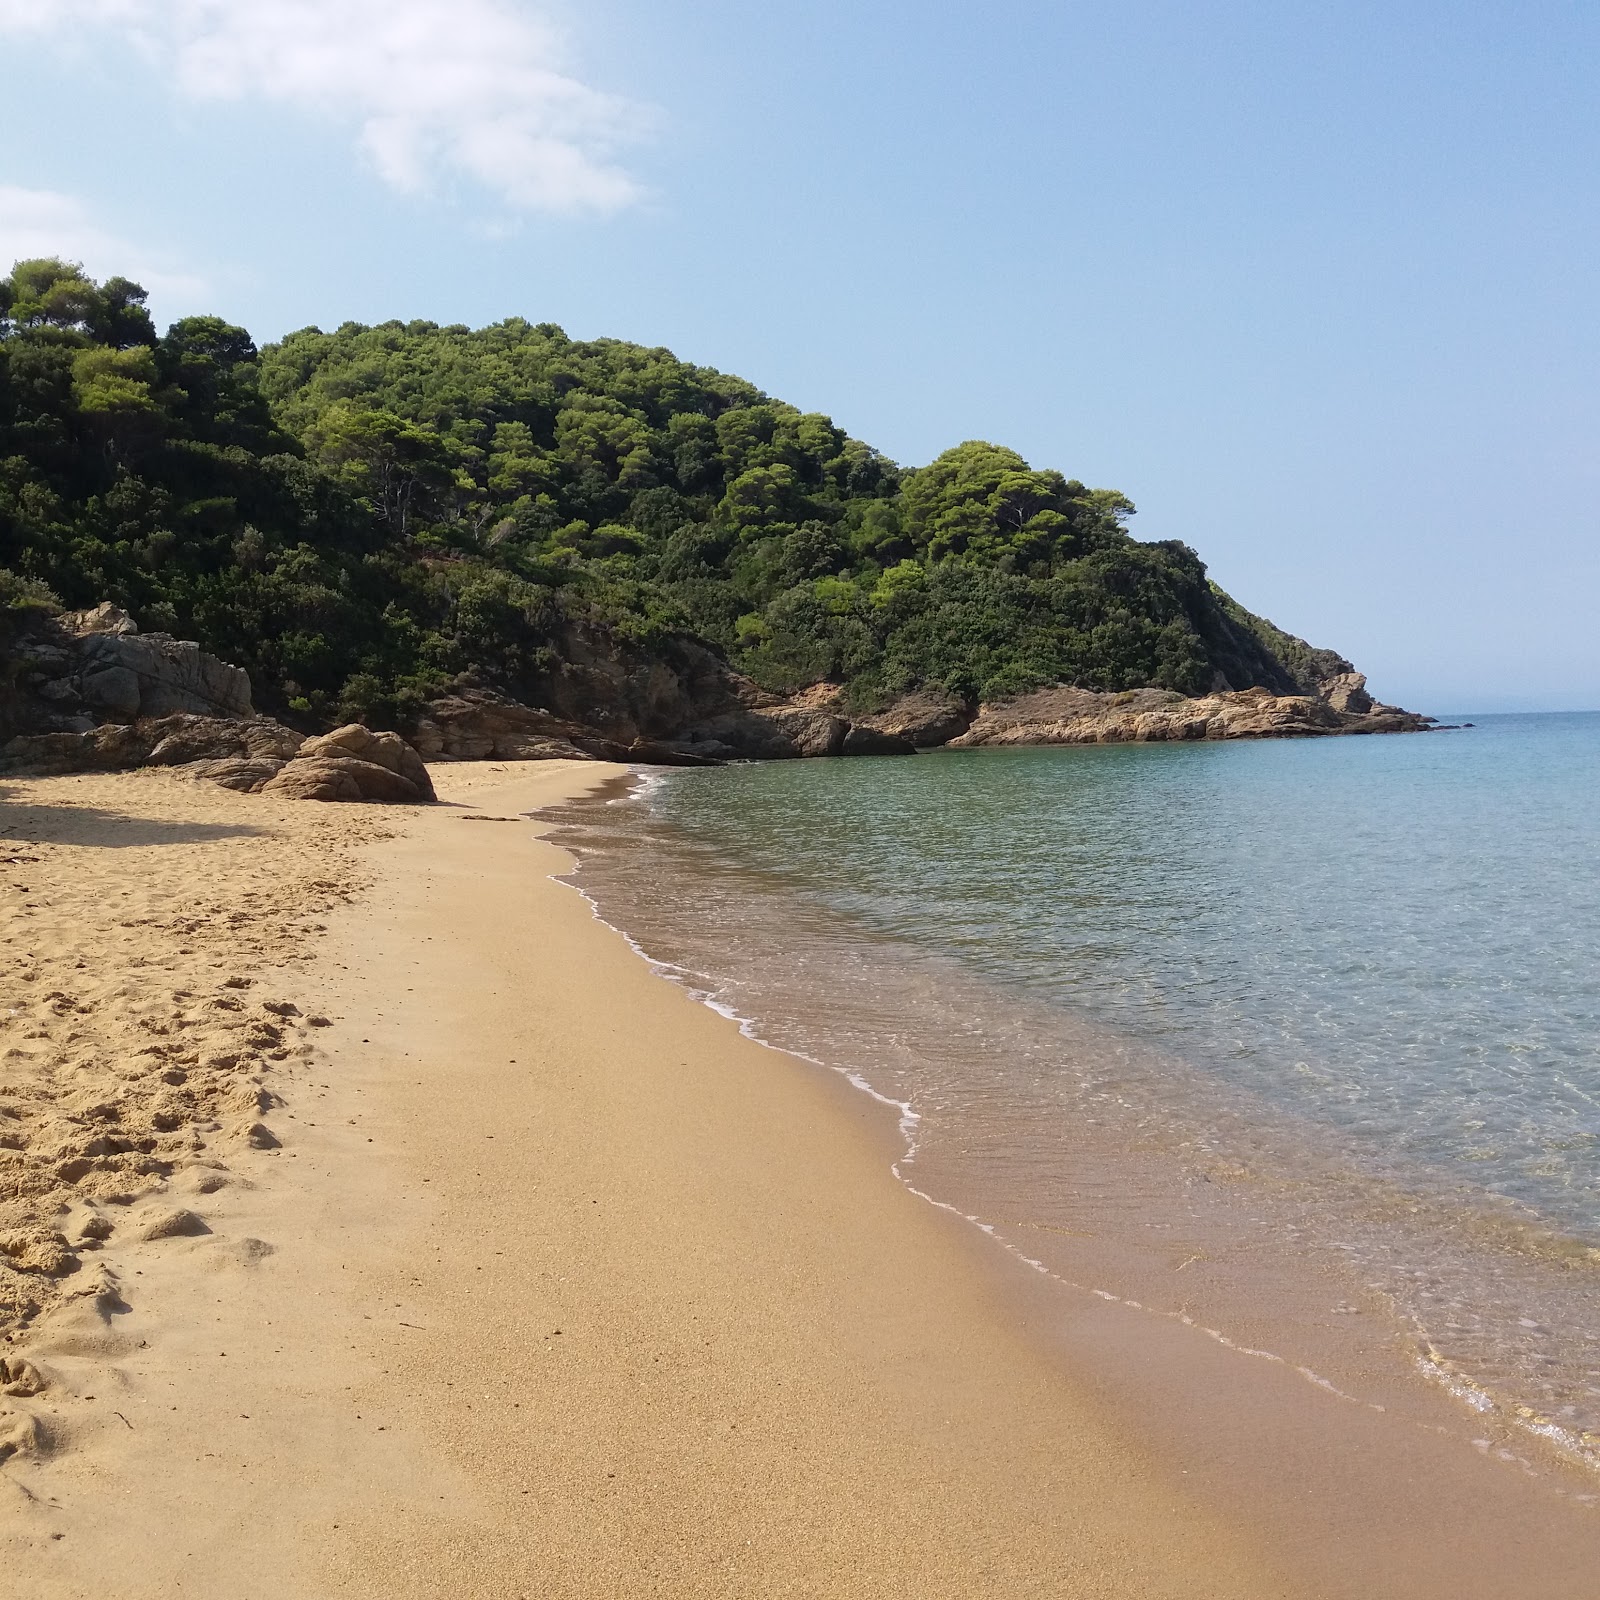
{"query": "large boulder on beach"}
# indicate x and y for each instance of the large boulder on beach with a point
(354, 763)
(358, 743)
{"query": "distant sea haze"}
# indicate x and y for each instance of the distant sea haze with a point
(1334, 1000)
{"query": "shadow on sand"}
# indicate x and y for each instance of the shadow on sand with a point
(26, 822)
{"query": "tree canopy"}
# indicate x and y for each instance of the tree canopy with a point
(358, 516)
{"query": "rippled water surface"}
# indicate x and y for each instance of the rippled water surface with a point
(1369, 960)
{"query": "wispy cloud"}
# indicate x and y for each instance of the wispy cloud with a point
(40, 222)
(434, 88)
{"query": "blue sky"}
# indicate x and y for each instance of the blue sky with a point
(1313, 284)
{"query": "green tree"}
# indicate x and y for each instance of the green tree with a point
(405, 470)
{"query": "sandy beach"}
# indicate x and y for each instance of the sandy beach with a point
(377, 1222)
(551, 1283)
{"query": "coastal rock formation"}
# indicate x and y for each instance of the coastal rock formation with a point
(787, 733)
(1082, 716)
(151, 742)
(924, 718)
(1347, 691)
(475, 724)
(85, 691)
(82, 668)
(354, 763)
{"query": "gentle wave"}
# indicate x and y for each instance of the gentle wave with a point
(1026, 1114)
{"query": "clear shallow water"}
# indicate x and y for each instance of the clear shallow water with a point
(1356, 977)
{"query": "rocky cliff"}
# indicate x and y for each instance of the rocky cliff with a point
(86, 691)
(76, 671)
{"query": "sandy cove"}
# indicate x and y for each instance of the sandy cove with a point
(555, 1285)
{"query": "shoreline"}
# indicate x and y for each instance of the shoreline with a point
(560, 1283)
(555, 1286)
(1399, 1454)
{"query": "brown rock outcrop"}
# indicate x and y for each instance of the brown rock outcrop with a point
(1347, 691)
(1082, 716)
(155, 741)
(243, 774)
(354, 763)
(863, 740)
(480, 725)
(805, 732)
(924, 718)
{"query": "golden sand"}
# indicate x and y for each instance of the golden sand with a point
(553, 1285)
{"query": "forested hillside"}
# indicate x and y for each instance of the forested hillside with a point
(359, 517)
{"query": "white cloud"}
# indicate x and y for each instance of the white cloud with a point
(433, 87)
(40, 222)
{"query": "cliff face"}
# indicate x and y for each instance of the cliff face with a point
(685, 704)
(86, 691)
(73, 672)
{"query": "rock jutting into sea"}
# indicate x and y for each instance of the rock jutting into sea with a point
(1080, 716)
(86, 692)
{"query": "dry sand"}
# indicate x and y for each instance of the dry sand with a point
(555, 1285)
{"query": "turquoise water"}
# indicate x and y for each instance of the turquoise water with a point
(1370, 959)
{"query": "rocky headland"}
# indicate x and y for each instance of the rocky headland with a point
(86, 691)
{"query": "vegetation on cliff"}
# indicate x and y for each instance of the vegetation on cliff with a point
(357, 517)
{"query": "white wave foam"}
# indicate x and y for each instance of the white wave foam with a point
(701, 988)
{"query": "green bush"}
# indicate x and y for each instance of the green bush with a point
(357, 517)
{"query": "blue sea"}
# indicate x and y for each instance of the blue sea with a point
(1332, 1000)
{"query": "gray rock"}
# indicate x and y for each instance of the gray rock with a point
(113, 691)
(170, 675)
(103, 618)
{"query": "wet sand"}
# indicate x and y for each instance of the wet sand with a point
(553, 1285)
